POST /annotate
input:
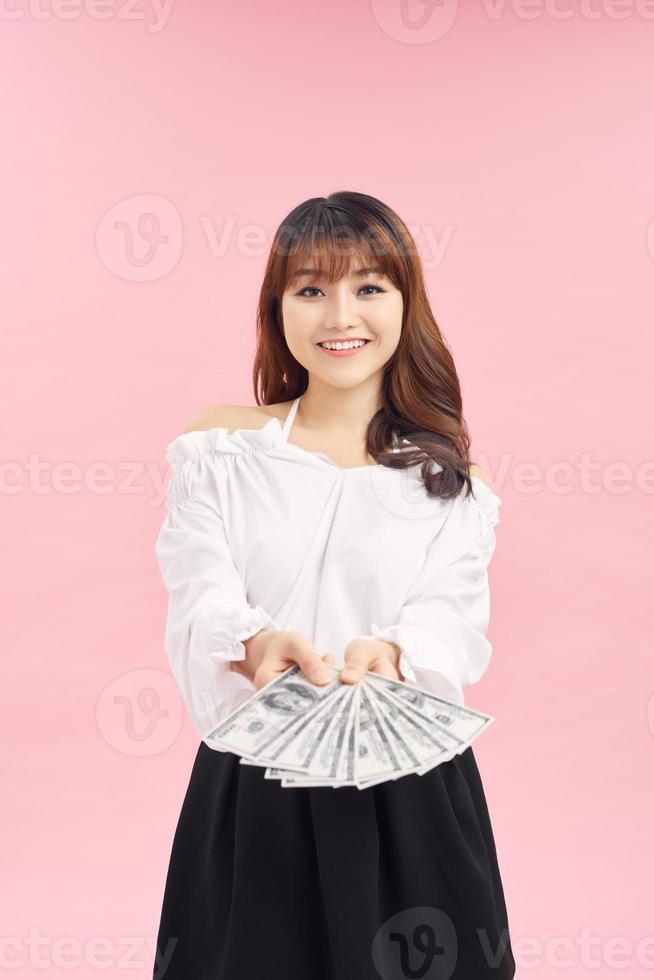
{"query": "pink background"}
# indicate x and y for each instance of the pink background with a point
(519, 140)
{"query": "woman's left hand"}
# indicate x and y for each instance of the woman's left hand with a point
(376, 655)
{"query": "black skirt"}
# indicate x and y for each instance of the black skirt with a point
(395, 881)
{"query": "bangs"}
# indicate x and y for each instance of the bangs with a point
(328, 250)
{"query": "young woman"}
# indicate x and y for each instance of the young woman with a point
(340, 520)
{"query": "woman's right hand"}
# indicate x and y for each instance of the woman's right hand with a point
(270, 653)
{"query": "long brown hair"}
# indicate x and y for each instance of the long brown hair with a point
(421, 394)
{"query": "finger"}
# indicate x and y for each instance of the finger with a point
(328, 658)
(356, 662)
(310, 663)
(386, 669)
(271, 667)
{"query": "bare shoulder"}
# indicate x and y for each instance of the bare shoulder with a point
(477, 471)
(233, 417)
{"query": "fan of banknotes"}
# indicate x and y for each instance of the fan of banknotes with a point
(342, 734)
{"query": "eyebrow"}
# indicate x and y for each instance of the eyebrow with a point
(371, 270)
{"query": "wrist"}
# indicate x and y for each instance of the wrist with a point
(393, 651)
(255, 650)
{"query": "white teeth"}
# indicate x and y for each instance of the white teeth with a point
(343, 345)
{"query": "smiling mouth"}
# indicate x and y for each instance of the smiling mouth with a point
(355, 343)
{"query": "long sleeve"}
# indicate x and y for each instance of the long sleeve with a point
(442, 624)
(209, 615)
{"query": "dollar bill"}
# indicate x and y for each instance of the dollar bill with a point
(363, 734)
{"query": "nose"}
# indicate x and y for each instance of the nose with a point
(340, 310)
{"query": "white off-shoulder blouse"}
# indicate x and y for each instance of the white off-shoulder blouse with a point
(260, 533)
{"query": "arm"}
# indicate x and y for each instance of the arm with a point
(440, 633)
(209, 617)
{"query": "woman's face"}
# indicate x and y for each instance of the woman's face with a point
(363, 306)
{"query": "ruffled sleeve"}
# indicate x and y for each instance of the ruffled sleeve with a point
(442, 624)
(209, 615)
